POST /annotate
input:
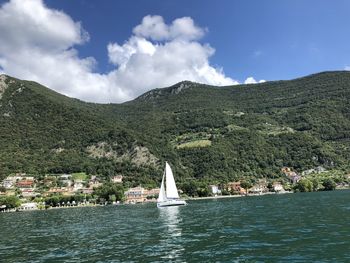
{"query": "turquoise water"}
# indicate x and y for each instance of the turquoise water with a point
(275, 228)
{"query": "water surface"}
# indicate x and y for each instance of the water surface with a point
(274, 228)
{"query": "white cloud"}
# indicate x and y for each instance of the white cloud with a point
(251, 80)
(38, 43)
(153, 27)
(347, 68)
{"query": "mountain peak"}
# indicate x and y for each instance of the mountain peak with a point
(174, 89)
(180, 86)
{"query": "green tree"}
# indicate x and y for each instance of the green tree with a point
(304, 185)
(329, 184)
(190, 188)
(10, 201)
(110, 192)
(246, 185)
(315, 184)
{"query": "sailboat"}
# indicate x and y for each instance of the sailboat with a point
(168, 195)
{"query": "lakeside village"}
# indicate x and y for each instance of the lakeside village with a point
(21, 192)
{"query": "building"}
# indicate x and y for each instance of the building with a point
(292, 176)
(235, 187)
(117, 179)
(25, 184)
(78, 184)
(151, 194)
(140, 195)
(28, 206)
(135, 195)
(259, 187)
(10, 181)
(278, 187)
(29, 192)
(94, 182)
(214, 189)
(66, 179)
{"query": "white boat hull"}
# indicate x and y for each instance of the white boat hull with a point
(171, 203)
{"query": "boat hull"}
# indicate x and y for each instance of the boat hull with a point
(171, 203)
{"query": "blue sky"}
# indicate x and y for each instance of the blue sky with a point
(266, 40)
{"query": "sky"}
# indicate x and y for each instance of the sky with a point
(113, 51)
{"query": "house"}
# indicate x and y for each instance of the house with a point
(135, 195)
(292, 176)
(25, 184)
(278, 187)
(256, 189)
(94, 182)
(29, 192)
(78, 184)
(66, 179)
(117, 179)
(214, 189)
(28, 206)
(151, 194)
(10, 181)
(259, 187)
(235, 187)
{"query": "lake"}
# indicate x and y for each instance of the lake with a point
(300, 227)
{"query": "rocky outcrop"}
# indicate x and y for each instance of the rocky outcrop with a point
(3, 85)
(138, 155)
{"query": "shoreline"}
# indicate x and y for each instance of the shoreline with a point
(186, 199)
(236, 196)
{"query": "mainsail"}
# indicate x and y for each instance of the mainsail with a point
(171, 190)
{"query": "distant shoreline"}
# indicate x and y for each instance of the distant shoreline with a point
(235, 196)
(154, 201)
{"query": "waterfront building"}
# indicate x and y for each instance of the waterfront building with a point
(215, 189)
(135, 195)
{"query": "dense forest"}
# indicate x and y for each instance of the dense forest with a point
(207, 133)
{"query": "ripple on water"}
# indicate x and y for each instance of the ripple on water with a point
(278, 228)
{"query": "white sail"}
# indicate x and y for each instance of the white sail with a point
(162, 196)
(171, 190)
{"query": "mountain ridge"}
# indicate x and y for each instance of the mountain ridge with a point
(206, 132)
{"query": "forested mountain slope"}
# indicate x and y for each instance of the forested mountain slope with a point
(208, 133)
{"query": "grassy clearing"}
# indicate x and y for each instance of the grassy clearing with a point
(233, 127)
(79, 176)
(194, 144)
(271, 129)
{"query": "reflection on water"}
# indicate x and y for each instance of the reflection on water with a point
(170, 218)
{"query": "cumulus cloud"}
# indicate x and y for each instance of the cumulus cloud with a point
(153, 27)
(38, 43)
(251, 80)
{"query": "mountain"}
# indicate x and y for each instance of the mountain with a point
(208, 133)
